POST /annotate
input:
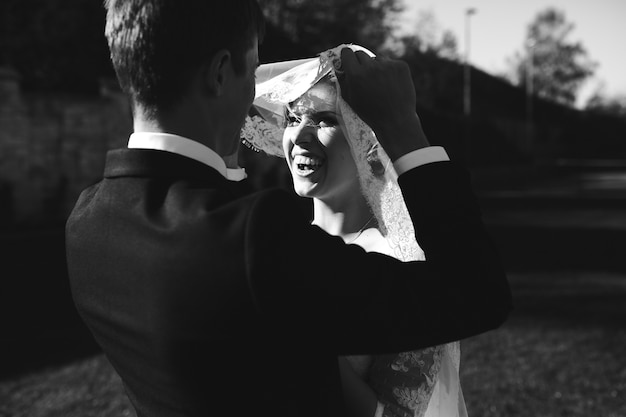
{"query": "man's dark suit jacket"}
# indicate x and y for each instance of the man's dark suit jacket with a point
(212, 303)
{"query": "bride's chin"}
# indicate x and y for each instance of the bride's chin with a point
(304, 188)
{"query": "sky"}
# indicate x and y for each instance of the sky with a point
(498, 30)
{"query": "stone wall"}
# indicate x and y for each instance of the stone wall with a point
(51, 147)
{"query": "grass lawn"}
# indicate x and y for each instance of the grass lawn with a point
(560, 354)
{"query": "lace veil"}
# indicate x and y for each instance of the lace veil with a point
(281, 83)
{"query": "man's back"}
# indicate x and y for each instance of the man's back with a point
(158, 272)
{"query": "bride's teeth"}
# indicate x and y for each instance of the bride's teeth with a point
(305, 160)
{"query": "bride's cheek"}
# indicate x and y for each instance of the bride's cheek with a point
(327, 135)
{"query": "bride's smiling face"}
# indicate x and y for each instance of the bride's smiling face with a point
(315, 148)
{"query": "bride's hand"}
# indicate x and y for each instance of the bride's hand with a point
(382, 93)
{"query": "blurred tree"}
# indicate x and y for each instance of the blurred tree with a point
(429, 38)
(448, 47)
(610, 105)
(58, 45)
(325, 24)
(278, 46)
(550, 65)
(55, 44)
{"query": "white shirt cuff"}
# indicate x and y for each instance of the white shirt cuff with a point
(420, 157)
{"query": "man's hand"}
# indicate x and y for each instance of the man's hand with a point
(381, 92)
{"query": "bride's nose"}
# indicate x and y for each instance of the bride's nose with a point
(305, 132)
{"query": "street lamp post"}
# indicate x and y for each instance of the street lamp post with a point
(530, 55)
(467, 101)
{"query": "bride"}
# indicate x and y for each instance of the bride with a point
(334, 158)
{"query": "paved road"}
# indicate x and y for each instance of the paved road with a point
(572, 219)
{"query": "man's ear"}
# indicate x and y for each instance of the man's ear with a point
(216, 72)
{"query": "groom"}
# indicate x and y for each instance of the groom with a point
(211, 302)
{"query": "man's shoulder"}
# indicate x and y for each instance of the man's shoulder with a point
(274, 201)
(271, 196)
(273, 209)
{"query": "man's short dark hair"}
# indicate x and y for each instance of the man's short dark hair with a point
(156, 44)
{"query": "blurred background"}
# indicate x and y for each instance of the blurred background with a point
(530, 96)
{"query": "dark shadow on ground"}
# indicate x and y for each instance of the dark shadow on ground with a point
(575, 298)
(538, 248)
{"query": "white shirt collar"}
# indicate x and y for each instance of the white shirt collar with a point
(185, 147)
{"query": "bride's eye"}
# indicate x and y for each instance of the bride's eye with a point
(292, 120)
(327, 121)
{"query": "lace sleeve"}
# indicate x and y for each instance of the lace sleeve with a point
(405, 381)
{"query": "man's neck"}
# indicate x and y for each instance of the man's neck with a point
(198, 129)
